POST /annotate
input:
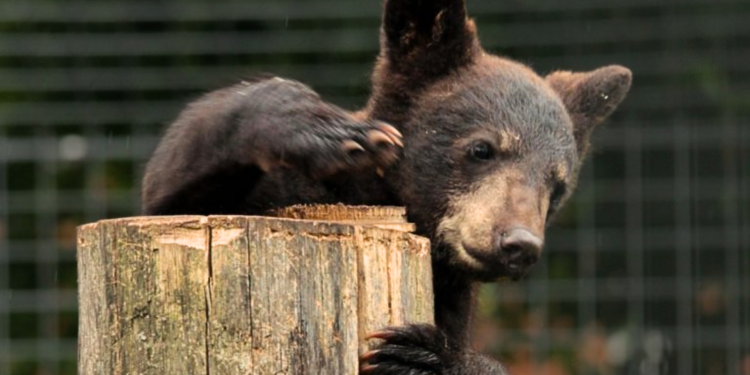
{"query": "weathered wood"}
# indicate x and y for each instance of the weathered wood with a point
(247, 295)
(381, 217)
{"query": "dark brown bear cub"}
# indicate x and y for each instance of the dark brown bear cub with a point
(480, 149)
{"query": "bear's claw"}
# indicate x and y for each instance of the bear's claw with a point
(392, 133)
(345, 146)
(352, 147)
(418, 349)
(379, 138)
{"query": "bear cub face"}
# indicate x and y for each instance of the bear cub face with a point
(493, 151)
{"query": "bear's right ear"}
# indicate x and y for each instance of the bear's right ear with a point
(427, 37)
(591, 97)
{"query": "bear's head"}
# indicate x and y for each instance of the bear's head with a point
(492, 149)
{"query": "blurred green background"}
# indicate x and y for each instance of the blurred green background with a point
(646, 270)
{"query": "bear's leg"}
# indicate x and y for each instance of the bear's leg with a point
(216, 152)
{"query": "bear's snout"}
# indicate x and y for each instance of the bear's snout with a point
(518, 249)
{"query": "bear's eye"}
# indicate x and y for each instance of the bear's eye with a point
(557, 195)
(481, 151)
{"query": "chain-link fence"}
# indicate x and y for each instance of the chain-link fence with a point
(647, 269)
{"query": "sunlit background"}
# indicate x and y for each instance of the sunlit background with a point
(646, 271)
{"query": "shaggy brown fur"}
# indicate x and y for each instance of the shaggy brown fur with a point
(490, 152)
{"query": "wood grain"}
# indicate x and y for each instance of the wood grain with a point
(246, 295)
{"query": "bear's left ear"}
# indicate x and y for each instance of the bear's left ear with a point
(425, 39)
(591, 97)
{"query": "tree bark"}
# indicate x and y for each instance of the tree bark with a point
(247, 295)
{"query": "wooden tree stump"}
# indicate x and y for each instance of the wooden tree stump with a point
(247, 295)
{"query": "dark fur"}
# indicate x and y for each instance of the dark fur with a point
(273, 143)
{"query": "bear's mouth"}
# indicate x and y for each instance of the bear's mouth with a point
(494, 267)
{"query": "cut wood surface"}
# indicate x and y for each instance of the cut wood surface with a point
(247, 295)
(381, 217)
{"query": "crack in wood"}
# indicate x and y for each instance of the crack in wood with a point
(209, 281)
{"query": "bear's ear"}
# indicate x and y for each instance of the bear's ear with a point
(591, 97)
(427, 37)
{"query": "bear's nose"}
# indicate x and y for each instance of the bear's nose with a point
(519, 248)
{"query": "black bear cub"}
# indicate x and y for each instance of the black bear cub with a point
(480, 149)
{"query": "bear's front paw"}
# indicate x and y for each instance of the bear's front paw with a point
(345, 146)
(418, 349)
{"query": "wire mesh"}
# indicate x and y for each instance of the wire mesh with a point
(646, 270)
